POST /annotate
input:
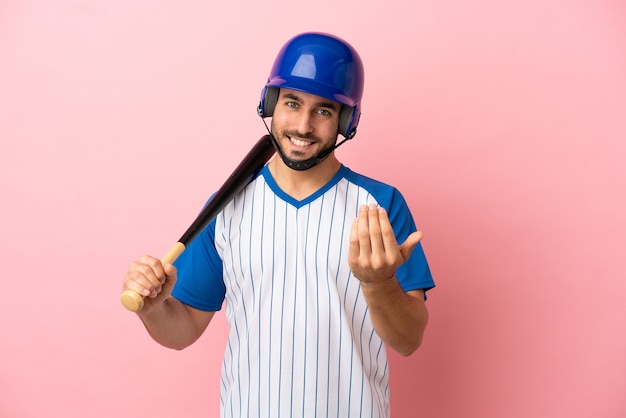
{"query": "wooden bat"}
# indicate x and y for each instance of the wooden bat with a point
(245, 172)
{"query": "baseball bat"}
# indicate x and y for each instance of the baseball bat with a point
(245, 172)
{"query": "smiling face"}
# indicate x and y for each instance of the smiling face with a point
(304, 125)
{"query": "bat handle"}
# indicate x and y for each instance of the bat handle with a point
(131, 299)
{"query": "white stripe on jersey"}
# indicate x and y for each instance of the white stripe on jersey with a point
(301, 343)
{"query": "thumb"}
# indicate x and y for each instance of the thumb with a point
(169, 269)
(406, 248)
(170, 272)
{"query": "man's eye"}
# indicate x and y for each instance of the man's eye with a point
(292, 104)
(323, 112)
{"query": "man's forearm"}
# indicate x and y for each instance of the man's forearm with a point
(398, 317)
(172, 324)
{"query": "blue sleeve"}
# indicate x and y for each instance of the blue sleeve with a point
(414, 273)
(200, 284)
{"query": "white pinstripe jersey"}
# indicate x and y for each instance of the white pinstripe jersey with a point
(301, 343)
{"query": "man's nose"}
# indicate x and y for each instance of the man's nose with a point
(305, 123)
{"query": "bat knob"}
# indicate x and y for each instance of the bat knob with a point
(132, 300)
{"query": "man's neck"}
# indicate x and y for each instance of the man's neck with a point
(302, 184)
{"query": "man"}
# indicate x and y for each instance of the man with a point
(306, 257)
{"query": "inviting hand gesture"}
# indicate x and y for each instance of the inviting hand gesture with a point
(374, 253)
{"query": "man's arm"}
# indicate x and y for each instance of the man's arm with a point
(170, 322)
(398, 317)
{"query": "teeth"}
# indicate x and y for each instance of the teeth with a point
(300, 143)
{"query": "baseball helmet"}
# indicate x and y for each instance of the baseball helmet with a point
(319, 64)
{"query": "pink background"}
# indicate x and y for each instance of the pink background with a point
(503, 123)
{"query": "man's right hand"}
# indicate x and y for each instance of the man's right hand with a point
(151, 279)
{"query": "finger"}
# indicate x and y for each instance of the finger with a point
(137, 281)
(388, 236)
(375, 236)
(146, 276)
(169, 269)
(407, 247)
(354, 250)
(365, 248)
(156, 265)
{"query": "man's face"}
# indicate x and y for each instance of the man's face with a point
(304, 124)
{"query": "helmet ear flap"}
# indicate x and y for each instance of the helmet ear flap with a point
(348, 119)
(269, 98)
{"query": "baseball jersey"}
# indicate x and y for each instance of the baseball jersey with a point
(301, 343)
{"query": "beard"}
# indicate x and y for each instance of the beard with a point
(296, 154)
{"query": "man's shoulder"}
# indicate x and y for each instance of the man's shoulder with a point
(379, 189)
